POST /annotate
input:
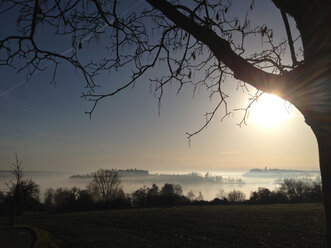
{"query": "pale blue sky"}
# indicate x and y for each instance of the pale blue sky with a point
(47, 127)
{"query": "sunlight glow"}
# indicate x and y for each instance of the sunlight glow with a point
(270, 111)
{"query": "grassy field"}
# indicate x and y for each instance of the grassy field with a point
(295, 225)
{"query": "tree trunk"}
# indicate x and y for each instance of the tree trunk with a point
(313, 94)
(322, 131)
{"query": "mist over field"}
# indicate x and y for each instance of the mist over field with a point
(210, 184)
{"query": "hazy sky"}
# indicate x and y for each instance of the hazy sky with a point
(46, 125)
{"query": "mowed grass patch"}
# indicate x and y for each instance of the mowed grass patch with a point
(290, 225)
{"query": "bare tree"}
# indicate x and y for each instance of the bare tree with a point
(199, 197)
(221, 194)
(236, 196)
(17, 171)
(187, 37)
(20, 191)
(105, 184)
(190, 195)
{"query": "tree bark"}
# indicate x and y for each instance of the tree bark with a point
(322, 130)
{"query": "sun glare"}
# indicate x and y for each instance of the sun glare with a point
(269, 111)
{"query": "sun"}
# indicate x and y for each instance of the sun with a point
(270, 111)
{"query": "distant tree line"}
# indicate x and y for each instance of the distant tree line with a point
(280, 173)
(104, 192)
(189, 178)
(290, 191)
(122, 173)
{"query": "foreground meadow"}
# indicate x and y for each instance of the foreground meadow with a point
(287, 225)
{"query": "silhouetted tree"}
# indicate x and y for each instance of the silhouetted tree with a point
(316, 192)
(117, 201)
(221, 194)
(171, 189)
(199, 197)
(2, 197)
(171, 195)
(65, 199)
(290, 191)
(85, 201)
(105, 184)
(190, 195)
(194, 36)
(262, 195)
(3, 205)
(22, 192)
(49, 199)
(152, 196)
(236, 196)
(153, 191)
(68, 200)
(139, 197)
(299, 191)
(278, 197)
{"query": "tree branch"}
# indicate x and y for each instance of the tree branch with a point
(289, 36)
(221, 48)
(34, 19)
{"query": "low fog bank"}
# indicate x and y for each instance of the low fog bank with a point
(209, 184)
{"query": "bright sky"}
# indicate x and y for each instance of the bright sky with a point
(46, 125)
